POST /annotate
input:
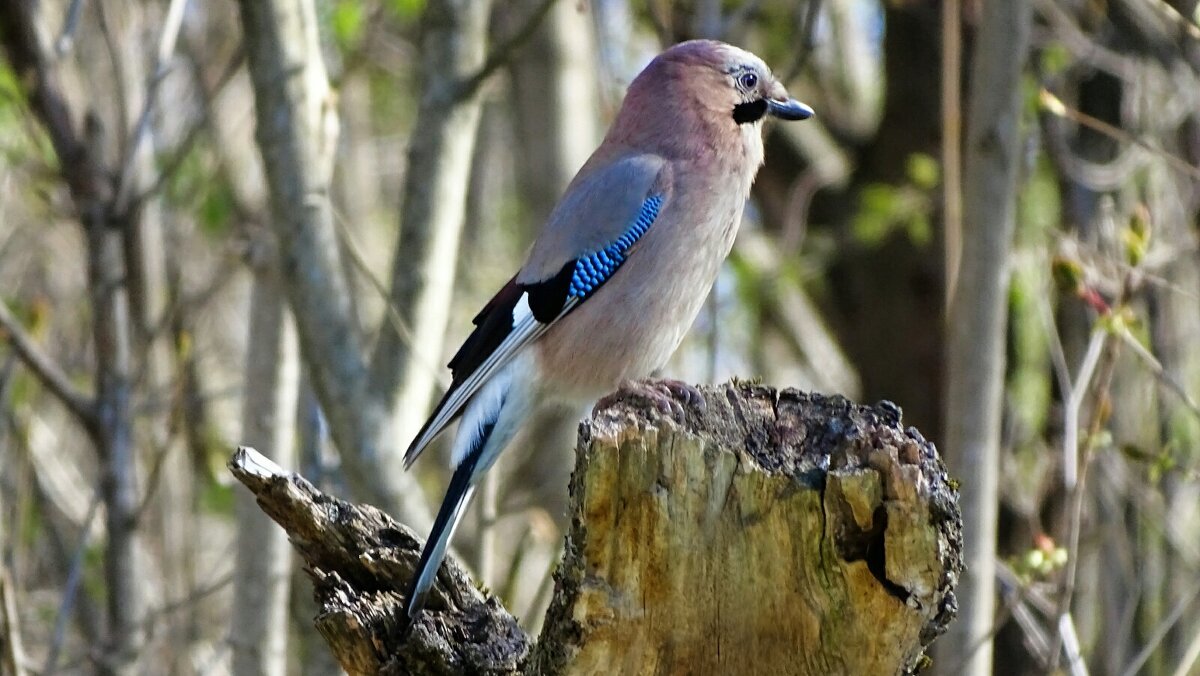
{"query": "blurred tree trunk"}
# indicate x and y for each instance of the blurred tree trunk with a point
(977, 317)
(357, 196)
(262, 577)
(1174, 316)
(147, 242)
(297, 130)
(404, 368)
(124, 576)
(555, 111)
(884, 298)
(108, 418)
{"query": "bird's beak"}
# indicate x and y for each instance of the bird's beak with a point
(788, 109)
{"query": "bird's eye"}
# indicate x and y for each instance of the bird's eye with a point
(748, 80)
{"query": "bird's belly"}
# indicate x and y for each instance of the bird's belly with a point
(627, 330)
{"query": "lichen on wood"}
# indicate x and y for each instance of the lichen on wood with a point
(764, 532)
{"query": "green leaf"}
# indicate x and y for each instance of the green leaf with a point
(217, 499)
(1054, 59)
(347, 21)
(878, 205)
(406, 9)
(216, 210)
(924, 171)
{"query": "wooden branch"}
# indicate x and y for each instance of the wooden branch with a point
(771, 532)
(502, 54)
(45, 369)
(359, 560)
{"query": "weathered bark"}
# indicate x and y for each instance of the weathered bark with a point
(770, 532)
(978, 315)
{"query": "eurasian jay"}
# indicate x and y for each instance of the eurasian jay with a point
(619, 270)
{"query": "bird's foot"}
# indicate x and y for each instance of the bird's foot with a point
(685, 391)
(663, 394)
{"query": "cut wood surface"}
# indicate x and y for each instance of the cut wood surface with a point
(764, 532)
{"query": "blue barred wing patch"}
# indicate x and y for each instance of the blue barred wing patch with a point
(592, 270)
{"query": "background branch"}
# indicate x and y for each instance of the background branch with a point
(45, 370)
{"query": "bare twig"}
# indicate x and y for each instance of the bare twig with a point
(1171, 15)
(166, 47)
(120, 86)
(1058, 356)
(70, 589)
(1055, 106)
(45, 370)
(10, 641)
(808, 42)
(1160, 632)
(26, 54)
(1075, 397)
(193, 597)
(1157, 369)
(66, 39)
(350, 246)
(1104, 352)
(502, 53)
(153, 479)
(1070, 645)
(952, 141)
(1068, 34)
(184, 149)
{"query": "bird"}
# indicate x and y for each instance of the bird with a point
(619, 270)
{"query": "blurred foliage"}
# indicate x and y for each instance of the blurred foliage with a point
(887, 209)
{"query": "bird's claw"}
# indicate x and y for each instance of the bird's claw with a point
(689, 393)
(664, 395)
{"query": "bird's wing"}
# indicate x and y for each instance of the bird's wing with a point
(588, 236)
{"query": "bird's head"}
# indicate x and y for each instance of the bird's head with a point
(710, 90)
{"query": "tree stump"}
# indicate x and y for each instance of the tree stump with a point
(763, 533)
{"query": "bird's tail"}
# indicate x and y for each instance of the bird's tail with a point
(454, 505)
(490, 421)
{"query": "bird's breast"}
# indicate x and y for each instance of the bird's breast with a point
(636, 320)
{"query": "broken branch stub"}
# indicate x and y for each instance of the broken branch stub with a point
(770, 532)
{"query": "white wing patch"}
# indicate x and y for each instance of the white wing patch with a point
(524, 332)
(483, 409)
(521, 310)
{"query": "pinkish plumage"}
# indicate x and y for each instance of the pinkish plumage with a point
(622, 266)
